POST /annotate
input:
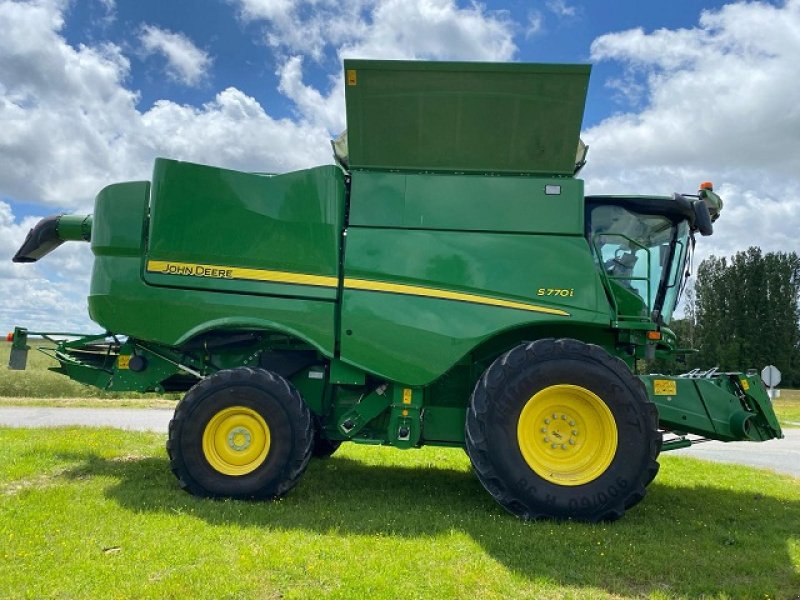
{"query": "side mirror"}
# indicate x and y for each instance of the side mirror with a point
(702, 218)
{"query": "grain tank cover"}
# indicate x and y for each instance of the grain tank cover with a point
(464, 117)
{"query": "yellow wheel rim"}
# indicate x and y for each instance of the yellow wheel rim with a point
(236, 441)
(567, 434)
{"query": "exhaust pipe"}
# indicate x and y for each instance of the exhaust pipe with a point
(49, 233)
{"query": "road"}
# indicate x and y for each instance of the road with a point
(133, 419)
(779, 455)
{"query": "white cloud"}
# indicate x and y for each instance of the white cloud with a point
(561, 8)
(70, 126)
(50, 297)
(186, 62)
(376, 29)
(720, 103)
(535, 24)
(432, 29)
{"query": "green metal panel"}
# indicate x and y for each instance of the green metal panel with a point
(467, 203)
(414, 339)
(727, 406)
(123, 303)
(119, 219)
(445, 423)
(224, 230)
(466, 117)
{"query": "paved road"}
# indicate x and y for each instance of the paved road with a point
(779, 455)
(134, 419)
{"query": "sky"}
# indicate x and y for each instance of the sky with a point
(92, 91)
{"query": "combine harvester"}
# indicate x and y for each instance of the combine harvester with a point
(446, 282)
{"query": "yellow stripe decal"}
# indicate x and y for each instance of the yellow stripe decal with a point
(164, 267)
(412, 290)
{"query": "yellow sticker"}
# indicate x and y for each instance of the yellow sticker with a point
(407, 396)
(123, 361)
(351, 77)
(745, 384)
(665, 387)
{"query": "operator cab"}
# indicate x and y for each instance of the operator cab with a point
(642, 245)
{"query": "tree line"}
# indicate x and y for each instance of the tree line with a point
(743, 313)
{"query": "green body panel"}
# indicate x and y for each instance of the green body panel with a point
(415, 339)
(120, 219)
(465, 117)
(286, 223)
(121, 301)
(457, 202)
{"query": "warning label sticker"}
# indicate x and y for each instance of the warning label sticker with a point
(665, 387)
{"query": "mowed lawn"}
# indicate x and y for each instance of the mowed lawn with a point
(97, 513)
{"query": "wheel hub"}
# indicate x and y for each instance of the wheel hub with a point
(567, 434)
(236, 441)
(560, 432)
(239, 439)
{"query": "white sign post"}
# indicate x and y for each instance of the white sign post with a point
(771, 377)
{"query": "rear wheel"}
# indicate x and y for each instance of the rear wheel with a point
(561, 429)
(240, 433)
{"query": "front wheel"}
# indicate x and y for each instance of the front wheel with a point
(561, 429)
(240, 433)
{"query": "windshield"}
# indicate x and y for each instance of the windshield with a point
(636, 252)
(678, 274)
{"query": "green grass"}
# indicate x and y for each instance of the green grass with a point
(96, 513)
(787, 407)
(36, 386)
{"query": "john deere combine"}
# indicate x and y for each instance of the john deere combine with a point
(446, 282)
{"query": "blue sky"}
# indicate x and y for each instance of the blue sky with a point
(92, 91)
(244, 61)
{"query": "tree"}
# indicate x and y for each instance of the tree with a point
(747, 312)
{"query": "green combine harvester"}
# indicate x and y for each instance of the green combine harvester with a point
(447, 282)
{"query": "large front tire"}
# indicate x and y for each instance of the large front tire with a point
(240, 433)
(561, 429)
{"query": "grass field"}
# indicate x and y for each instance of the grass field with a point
(96, 513)
(787, 407)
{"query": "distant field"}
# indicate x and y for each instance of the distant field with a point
(787, 408)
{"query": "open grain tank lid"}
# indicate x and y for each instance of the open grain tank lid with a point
(465, 117)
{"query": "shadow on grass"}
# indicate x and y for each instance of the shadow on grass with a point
(691, 540)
